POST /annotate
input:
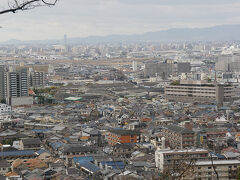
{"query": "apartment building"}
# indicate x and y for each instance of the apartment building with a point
(191, 91)
(120, 136)
(226, 169)
(165, 158)
(37, 79)
(4, 108)
(178, 137)
(164, 69)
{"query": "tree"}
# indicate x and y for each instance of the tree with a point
(238, 174)
(22, 5)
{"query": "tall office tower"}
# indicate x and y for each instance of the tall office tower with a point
(3, 81)
(37, 79)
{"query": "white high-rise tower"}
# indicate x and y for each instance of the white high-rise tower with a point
(134, 66)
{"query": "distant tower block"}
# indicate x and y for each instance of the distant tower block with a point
(21, 64)
(65, 39)
(134, 66)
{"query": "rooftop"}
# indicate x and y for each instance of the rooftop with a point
(179, 129)
(218, 162)
(124, 132)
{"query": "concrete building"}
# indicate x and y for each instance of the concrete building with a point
(17, 82)
(3, 81)
(122, 136)
(37, 79)
(164, 69)
(191, 91)
(158, 69)
(134, 66)
(5, 108)
(166, 158)
(228, 64)
(226, 169)
(178, 137)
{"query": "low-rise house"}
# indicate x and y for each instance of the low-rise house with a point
(20, 154)
(71, 150)
(30, 144)
(124, 150)
(59, 129)
(5, 167)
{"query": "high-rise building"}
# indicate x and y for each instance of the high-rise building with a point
(23, 82)
(134, 66)
(17, 82)
(37, 79)
(14, 85)
(65, 39)
(228, 64)
(3, 81)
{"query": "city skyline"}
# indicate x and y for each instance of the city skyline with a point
(81, 18)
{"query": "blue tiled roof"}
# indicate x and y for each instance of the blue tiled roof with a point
(40, 130)
(89, 166)
(114, 164)
(41, 151)
(206, 106)
(82, 159)
(17, 153)
(67, 138)
(218, 155)
(56, 145)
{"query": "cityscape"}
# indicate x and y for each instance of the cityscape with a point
(119, 107)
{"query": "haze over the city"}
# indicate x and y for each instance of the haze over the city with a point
(82, 18)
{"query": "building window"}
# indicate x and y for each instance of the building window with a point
(210, 167)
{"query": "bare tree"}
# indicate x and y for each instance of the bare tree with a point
(22, 5)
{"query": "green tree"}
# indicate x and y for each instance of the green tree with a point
(238, 174)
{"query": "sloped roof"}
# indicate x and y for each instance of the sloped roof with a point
(82, 158)
(17, 153)
(92, 168)
(114, 164)
(4, 164)
(179, 129)
(124, 132)
(31, 141)
(79, 148)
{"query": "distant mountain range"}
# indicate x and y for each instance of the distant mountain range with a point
(216, 33)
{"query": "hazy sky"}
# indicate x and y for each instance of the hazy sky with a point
(81, 18)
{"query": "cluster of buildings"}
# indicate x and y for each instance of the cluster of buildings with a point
(15, 82)
(167, 118)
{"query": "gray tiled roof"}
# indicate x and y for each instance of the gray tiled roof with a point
(179, 129)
